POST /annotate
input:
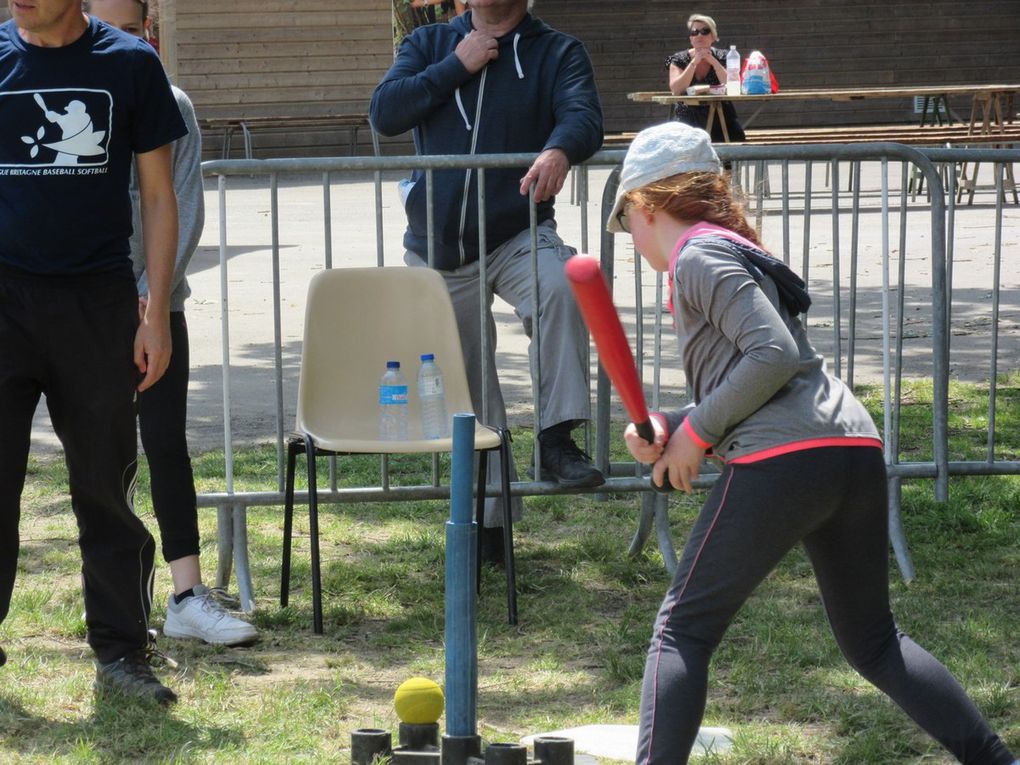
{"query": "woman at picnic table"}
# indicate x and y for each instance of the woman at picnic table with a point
(701, 64)
(802, 460)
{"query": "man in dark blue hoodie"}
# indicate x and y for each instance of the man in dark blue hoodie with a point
(496, 80)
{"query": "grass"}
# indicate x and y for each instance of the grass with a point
(778, 681)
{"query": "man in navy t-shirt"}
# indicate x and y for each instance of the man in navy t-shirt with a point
(78, 100)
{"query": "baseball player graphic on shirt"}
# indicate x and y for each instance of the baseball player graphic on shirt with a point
(78, 140)
(74, 112)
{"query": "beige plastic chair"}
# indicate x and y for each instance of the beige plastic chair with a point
(357, 319)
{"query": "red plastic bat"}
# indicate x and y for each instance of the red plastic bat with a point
(596, 304)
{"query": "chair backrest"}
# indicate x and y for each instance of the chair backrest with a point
(357, 319)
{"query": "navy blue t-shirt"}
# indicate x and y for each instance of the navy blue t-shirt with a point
(71, 119)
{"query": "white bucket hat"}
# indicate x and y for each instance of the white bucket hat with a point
(658, 152)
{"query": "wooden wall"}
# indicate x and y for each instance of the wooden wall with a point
(295, 57)
(271, 57)
(326, 56)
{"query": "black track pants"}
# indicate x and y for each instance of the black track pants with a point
(72, 340)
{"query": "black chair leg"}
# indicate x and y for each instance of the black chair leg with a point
(508, 527)
(313, 532)
(483, 472)
(293, 447)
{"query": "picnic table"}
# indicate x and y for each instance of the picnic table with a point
(991, 118)
(991, 108)
(247, 124)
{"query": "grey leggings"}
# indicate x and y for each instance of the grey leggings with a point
(834, 501)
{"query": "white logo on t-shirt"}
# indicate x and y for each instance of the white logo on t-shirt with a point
(56, 127)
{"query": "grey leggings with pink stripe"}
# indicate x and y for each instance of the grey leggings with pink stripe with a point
(834, 501)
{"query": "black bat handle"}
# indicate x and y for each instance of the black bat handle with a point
(647, 432)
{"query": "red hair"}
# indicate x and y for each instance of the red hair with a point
(691, 197)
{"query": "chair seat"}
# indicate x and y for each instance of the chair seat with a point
(485, 438)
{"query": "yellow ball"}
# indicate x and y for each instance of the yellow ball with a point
(418, 701)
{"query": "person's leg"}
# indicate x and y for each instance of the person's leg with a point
(18, 399)
(192, 610)
(561, 348)
(745, 528)
(850, 555)
(87, 330)
(463, 285)
(186, 574)
(20, 374)
(162, 416)
(91, 399)
(559, 352)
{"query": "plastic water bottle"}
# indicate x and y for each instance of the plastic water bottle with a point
(393, 404)
(733, 72)
(434, 423)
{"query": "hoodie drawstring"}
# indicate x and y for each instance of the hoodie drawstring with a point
(517, 59)
(467, 173)
(460, 107)
(474, 139)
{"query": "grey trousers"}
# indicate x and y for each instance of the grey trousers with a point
(561, 349)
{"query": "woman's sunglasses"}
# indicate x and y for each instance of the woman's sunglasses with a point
(704, 32)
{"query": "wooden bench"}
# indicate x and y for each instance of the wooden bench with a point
(911, 135)
(246, 125)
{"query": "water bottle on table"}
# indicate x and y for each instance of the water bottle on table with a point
(733, 72)
(434, 422)
(393, 404)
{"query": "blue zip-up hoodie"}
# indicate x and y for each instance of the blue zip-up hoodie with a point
(538, 94)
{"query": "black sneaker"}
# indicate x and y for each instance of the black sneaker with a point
(563, 461)
(131, 675)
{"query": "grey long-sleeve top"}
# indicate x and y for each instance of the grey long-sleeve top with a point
(186, 158)
(758, 383)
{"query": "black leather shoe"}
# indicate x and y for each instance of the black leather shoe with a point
(131, 675)
(563, 462)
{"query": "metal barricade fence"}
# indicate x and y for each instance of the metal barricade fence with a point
(842, 326)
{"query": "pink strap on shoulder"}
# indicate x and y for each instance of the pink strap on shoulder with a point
(701, 228)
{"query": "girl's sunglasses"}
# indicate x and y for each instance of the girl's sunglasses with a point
(704, 32)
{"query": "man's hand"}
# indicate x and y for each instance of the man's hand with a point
(152, 347)
(681, 461)
(476, 50)
(548, 173)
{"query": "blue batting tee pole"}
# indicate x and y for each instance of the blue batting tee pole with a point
(461, 603)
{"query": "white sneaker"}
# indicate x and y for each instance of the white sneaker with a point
(202, 617)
